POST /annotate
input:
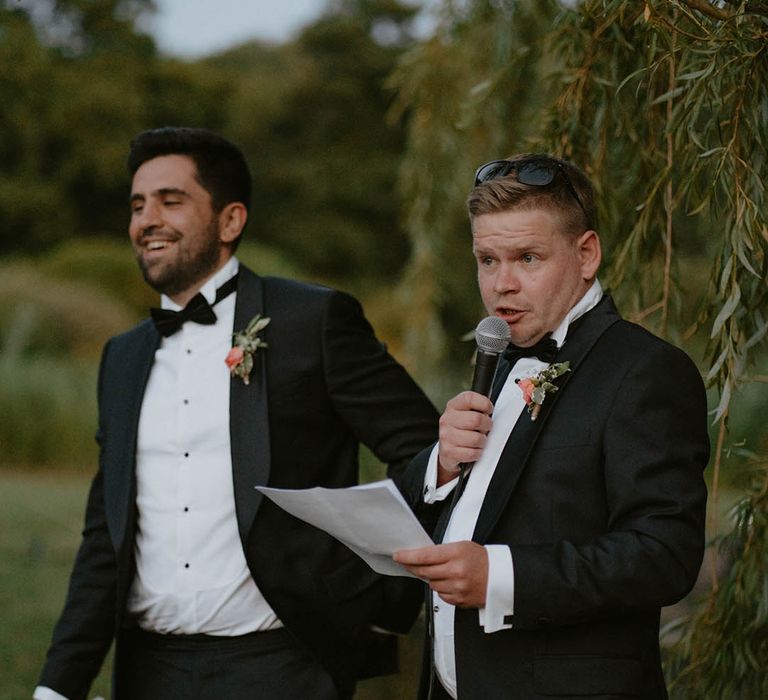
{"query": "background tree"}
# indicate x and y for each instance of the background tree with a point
(327, 163)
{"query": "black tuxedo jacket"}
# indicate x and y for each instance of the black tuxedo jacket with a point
(602, 503)
(324, 385)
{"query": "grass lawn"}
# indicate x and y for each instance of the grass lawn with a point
(41, 517)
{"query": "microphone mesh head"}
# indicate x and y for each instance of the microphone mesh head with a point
(492, 335)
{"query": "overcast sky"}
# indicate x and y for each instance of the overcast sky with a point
(192, 28)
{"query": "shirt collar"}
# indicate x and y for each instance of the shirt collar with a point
(588, 301)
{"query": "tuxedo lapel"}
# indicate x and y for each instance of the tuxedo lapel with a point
(127, 383)
(517, 451)
(248, 415)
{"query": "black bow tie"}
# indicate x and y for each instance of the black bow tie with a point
(545, 350)
(197, 310)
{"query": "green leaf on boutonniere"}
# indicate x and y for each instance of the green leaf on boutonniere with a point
(245, 343)
(536, 387)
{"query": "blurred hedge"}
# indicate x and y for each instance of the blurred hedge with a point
(47, 412)
(44, 315)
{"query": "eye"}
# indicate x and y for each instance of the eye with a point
(528, 258)
(136, 209)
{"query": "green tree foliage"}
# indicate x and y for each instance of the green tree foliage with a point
(92, 27)
(326, 165)
(722, 653)
(665, 104)
(76, 83)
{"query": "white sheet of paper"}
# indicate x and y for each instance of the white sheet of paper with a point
(373, 520)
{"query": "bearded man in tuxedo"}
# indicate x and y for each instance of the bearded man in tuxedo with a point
(584, 511)
(208, 590)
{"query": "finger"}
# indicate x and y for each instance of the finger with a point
(466, 421)
(470, 401)
(450, 457)
(422, 557)
(457, 446)
(411, 557)
(464, 439)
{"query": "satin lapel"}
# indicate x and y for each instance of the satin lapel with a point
(248, 416)
(127, 384)
(517, 451)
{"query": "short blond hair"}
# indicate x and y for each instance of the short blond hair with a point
(507, 193)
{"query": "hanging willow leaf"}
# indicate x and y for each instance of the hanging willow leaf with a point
(725, 313)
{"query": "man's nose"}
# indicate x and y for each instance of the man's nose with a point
(149, 217)
(506, 279)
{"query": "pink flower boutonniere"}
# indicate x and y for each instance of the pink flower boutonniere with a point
(244, 346)
(536, 388)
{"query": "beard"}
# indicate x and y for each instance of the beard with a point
(188, 268)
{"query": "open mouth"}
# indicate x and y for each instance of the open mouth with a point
(157, 245)
(510, 315)
(154, 245)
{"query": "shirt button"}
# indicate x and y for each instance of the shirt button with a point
(186, 402)
(186, 566)
(436, 609)
(186, 454)
(189, 352)
(186, 510)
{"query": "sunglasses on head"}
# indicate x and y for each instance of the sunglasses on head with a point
(537, 171)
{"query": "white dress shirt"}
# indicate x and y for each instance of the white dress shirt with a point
(500, 593)
(191, 575)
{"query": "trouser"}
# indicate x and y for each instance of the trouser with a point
(258, 666)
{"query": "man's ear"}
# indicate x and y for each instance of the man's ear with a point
(232, 220)
(590, 254)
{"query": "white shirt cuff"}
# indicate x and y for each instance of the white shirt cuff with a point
(500, 594)
(433, 493)
(43, 693)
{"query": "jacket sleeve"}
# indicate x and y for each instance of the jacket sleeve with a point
(411, 486)
(376, 397)
(84, 631)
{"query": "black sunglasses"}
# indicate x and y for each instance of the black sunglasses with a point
(538, 172)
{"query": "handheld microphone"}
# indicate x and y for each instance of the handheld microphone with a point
(492, 336)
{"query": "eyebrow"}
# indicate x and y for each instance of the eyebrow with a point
(482, 251)
(162, 192)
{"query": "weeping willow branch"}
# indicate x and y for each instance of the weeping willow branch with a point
(722, 651)
(668, 198)
(707, 8)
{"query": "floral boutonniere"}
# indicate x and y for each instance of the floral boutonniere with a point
(536, 388)
(244, 346)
